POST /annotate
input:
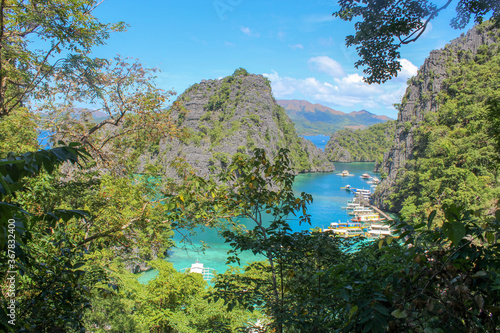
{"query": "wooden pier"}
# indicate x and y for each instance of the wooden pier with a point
(382, 213)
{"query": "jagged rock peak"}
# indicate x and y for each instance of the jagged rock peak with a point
(233, 115)
(422, 97)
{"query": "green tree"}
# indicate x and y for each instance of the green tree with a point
(58, 224)
(62, 27)
(382, 27)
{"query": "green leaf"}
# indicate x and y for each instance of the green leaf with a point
(399, 314)
(431, 218)
(454, 231)
(490, 236)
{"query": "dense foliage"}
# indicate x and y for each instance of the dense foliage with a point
(362, 145)
(76, 219)
(384, 26)
(454, 158)
(439, 275)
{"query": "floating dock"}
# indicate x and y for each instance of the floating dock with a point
(389, 219)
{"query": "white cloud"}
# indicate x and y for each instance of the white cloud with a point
(247, 31)
(327, 65)
(318, 18)
(297, 46)
(327, 42)
(348, 93)
(407, 69)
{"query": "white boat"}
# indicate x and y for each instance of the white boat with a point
(345, 173)
(344, 225)
(363, 191)
(347, 188)
(346, 232)
(198, 268)
(361, 211)
(374, 217)
(379, 230)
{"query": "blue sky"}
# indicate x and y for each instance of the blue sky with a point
(298, 45)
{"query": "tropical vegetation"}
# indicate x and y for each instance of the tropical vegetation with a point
(361, 145)
(77, 219)
(454, 156)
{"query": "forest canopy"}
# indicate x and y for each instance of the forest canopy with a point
(77, 220)
(383, 27)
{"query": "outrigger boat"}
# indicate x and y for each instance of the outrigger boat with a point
(346, 232)
(344, 225)
(365, 176)
(374, 217)
(348, 188)
(350, 232)
(379, 230)
(345, 173)
(352, 205)
(360, 211)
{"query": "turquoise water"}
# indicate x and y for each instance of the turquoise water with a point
(328, 200)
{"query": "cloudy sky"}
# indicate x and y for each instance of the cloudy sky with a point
(298, 45)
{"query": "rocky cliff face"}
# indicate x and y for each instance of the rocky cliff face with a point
(422, 96)
(234, 115)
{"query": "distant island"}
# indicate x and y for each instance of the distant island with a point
(316, 119)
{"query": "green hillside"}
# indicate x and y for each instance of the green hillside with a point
(454, 154)
(315, 119)
(362, 145)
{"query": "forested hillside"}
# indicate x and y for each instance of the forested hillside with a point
(79, 219)
(313, 119)
(362, 145)
(444, 151)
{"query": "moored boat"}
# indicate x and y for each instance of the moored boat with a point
(345, 173)
(379, 230)
(347, 232)
(344, 225)
(374, 217)
(348, 188)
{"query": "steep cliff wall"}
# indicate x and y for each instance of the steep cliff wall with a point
(234, 115)
(424, 95)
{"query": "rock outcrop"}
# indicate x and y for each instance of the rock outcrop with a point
(362, 145)
(422, 97)
(234, 115)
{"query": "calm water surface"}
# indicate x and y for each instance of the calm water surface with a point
(328, 200)
(319, 140)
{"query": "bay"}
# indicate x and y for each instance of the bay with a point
(328, 200)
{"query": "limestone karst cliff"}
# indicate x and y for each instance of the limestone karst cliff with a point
(447, 93)
(233, 115)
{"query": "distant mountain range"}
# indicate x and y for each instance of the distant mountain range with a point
(313, 119)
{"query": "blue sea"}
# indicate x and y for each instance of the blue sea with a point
(319, 140)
